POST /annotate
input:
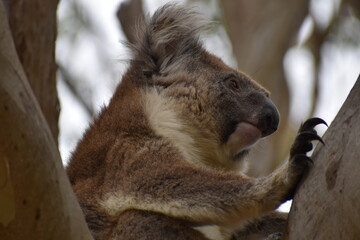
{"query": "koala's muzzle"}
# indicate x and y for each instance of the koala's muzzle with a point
(268, 118)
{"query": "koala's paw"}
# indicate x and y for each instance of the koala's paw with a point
(303, 143)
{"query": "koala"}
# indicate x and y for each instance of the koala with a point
(164, 159)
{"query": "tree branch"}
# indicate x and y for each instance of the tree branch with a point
(327, 203)
(34, 185)
(33, 27)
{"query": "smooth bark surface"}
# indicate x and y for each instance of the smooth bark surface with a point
(327, 204)
(33, 27)
(36, 200)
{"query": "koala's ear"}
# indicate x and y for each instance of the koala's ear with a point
(166, 39)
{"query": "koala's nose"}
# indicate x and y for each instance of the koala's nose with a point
(269, 118)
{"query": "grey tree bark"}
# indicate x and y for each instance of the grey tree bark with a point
(33, 27)
(36, 199)
(327, 203)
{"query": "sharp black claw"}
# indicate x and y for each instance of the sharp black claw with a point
(303, 141)
(310, 136)
(311, 123)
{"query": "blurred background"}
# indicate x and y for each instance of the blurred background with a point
(306, 52)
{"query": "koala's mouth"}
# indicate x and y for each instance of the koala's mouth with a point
(244, 136)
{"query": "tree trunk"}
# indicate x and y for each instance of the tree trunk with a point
(261, 33)
(36, 199)
(327, 203)
(33, 27)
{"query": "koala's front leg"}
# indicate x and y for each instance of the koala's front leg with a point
(299, 162)
(281, 184)
(272, 225)
(290, 174)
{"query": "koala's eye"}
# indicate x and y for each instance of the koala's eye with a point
(232, 83)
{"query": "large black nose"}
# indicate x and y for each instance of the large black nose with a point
(269, 118)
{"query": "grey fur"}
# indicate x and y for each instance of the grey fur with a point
(167, 38)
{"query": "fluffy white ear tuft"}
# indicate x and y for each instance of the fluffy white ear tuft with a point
(169, 37)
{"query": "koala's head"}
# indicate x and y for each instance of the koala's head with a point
(212, 113)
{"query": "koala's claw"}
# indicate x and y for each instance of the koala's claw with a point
(306, 134)
(311, 123)
(309, 136)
